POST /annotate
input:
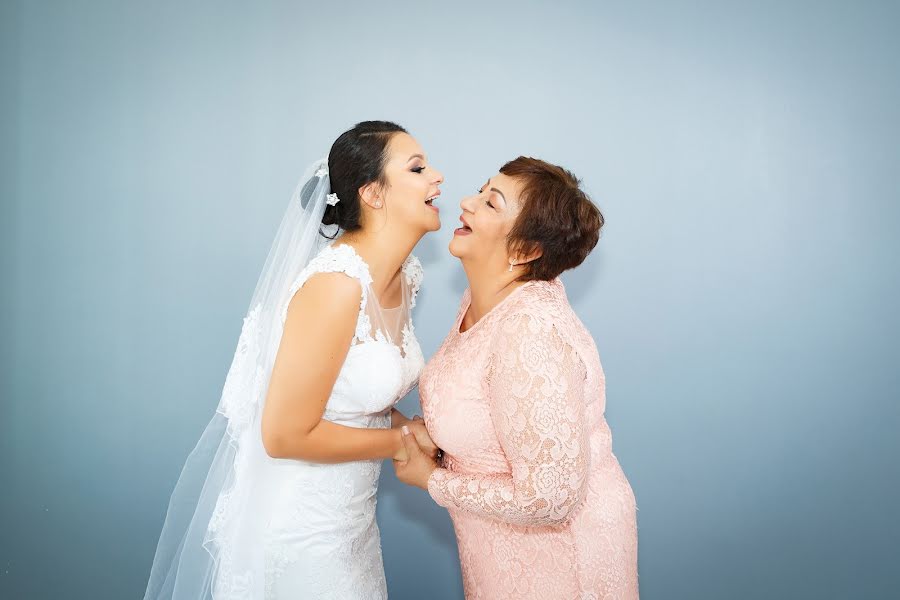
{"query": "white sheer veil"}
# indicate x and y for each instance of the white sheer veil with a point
(211, 545)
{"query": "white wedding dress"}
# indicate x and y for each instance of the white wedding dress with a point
(319, 532)
(241, 525)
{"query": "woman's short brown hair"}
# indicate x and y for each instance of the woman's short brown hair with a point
(556, 217)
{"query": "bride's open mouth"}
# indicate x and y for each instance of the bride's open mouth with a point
(430, 202)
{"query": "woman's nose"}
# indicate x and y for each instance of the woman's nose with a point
(439, 177)
(466, 203)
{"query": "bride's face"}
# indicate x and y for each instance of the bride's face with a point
(413, 185)
(486, 220)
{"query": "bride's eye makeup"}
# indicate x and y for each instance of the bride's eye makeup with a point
(417, 169)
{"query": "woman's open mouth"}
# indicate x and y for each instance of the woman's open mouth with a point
(464, 230)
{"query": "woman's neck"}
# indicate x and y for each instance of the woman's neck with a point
(488, 288)
(384, 251)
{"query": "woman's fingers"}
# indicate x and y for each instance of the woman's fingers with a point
(410, 442)
(418, 468)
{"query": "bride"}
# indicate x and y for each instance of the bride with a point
(277, 500)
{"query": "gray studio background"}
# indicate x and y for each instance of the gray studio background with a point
(744, 295)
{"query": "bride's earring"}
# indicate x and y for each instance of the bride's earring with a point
(512, 263)
(378, 204)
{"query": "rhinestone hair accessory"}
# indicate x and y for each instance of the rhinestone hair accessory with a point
(332, 199)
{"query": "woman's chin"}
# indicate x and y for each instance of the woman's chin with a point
(454, 247)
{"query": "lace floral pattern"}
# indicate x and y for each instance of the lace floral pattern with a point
(412, 268)
(242, 382)
(540, 505)
(534, 390)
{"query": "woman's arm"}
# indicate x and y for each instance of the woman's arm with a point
(398, 418)
(321, 320)
(537, 406)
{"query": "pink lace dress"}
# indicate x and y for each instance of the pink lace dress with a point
(539, 503)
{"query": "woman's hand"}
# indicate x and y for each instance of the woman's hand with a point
(398, 419)
(418, 466)
(417, 426)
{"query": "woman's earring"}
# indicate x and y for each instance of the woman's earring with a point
(512, 263)
(378, 204)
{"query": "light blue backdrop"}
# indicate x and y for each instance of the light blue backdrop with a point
(744, 295)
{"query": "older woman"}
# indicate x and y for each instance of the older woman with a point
(515, 398)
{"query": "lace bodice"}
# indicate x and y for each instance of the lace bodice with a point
(516, 402)
(385, 359)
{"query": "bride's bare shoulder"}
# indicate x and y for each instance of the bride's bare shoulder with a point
(327, 295)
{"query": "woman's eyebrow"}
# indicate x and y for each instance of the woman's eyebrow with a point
(415, 156)
(493, 189)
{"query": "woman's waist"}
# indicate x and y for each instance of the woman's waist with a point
(605, 486)
(483, 462)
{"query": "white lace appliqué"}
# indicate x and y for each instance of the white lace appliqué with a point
(243, 385)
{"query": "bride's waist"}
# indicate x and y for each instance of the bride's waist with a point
(289, 468)
(321, 491)
(295, 477)
(352, 417)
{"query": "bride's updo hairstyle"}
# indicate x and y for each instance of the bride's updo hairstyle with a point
(357, 158)
(556, 217)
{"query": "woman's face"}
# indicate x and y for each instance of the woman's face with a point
(487, 218)
(412, 185)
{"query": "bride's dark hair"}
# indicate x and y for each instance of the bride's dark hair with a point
(356, 158)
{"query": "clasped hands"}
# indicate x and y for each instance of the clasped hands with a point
(418, 456)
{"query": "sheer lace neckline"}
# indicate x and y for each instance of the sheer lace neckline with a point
(468, 303)
(375, 324)
(405, 264)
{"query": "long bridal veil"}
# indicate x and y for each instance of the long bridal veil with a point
(210, 546)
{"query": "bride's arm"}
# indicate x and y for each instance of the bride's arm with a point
(321, 321)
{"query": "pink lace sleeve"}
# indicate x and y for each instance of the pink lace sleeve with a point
(535, 392)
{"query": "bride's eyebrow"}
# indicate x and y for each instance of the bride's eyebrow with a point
(416, 156)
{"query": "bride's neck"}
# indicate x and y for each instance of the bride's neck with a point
(384, 251)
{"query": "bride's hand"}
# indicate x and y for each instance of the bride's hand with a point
(417, 428)
(418, 467)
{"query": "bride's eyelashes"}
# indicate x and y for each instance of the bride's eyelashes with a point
(417, 169)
